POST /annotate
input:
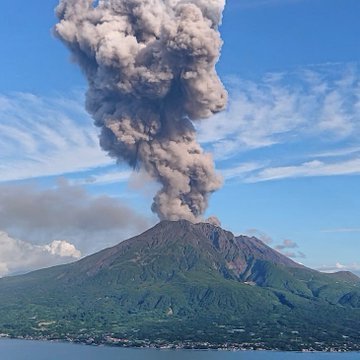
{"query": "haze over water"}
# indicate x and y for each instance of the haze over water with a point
(38, 350)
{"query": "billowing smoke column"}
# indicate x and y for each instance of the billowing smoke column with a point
(150, 65)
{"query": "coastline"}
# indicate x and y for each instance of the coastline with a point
(161, 345)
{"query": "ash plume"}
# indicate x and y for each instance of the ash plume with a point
(150, 65)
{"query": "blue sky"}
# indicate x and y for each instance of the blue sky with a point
(288, 145)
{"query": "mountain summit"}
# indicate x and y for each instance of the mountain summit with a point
(180, 246)
(184, 283)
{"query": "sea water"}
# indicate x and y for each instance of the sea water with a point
(46, 350)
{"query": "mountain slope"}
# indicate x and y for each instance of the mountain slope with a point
(185, 282)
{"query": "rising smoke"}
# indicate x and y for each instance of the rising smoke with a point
(150, 65)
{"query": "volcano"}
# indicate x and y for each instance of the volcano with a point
(185, 284)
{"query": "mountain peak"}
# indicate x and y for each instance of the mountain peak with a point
(180, 281)
(183, 242)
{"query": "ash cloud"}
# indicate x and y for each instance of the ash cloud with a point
(65, 211)
(150, 65)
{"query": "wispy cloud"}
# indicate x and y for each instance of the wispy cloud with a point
(46, 136)
(287, 244)
(341, 230)
(104, 178)
(289, 248)
(355, 267)
(338, 152)
(308, 169)
(317, 107)
(267, 239)
(249, 4)
(241, 171)
(319, 104)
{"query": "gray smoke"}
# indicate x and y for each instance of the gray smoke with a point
(150, 65)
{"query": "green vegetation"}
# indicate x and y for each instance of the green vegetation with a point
(186, 285)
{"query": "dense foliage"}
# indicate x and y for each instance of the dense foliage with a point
(185, 284)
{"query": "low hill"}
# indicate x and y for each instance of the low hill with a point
(184, 283)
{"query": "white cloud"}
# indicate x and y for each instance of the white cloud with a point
(354, 267)
(273, 124)
(319, 104)
(342, 230)
(241, 171)
(248, 4)
(338, 152)
(17, 256)
(62, 248)
(104, 178)
(258, 116)
(46, 136)
(334, 116)
(308, 169)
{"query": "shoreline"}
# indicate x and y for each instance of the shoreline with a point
(141, 344)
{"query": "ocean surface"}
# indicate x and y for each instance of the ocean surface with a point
(38, 350)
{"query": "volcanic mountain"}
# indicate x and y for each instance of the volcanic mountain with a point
(184, 283)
